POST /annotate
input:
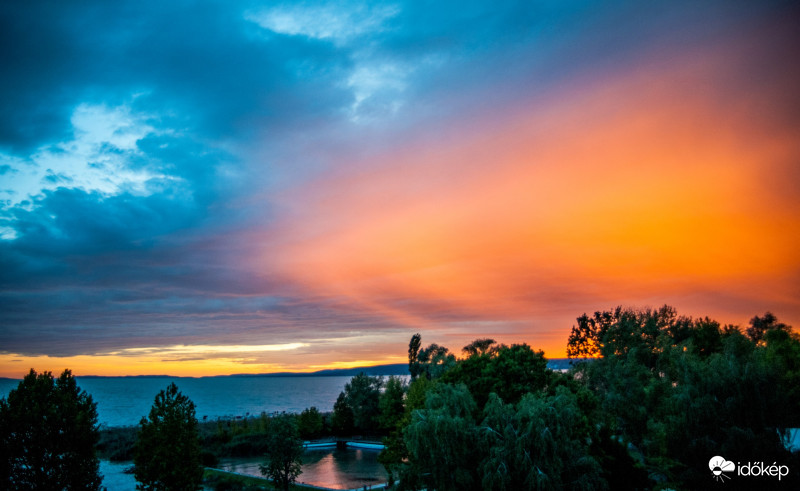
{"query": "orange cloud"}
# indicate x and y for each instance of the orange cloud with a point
(648, 188)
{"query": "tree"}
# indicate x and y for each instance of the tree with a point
(760, 325)
(309, 423)
(539, 443)
(441, 441)
(48, 433)
(508, 371)
(342, 419)
(167, 454)
(284, 452)
(390, 403)
(434, 361)
(363, 394)
(413, 353)
(479, 347)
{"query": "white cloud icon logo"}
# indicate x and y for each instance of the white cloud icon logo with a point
(718, 465)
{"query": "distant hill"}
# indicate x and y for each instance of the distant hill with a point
(382, 370)
(393, 369)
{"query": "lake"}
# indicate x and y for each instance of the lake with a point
(330, 468)
(123, 401)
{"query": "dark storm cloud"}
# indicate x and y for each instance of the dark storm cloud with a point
(203, 61)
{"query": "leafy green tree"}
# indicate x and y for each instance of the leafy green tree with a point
(362, 394)
(434, 361)
(390, 403)
(622, 332)
(677, 390)
(342, 419)
(48, 433)
(284, 452)
(392, 413)
(309, 423)
(508, 371)
(167, 454)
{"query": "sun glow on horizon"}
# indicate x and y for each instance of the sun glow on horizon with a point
(16, 366)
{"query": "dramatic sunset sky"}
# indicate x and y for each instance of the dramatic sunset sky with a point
(199, 188)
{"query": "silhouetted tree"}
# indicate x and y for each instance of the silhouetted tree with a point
(760, 325)
(48, 433)
(284, 452)
(342, 419)
(434, 361)
(167, 454)
(508, 371)
(413, 353)
(390, 403)
(309, 423)
(362, 394)
(479, 347)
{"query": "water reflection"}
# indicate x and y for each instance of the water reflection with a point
(115, 477)
(330, 468)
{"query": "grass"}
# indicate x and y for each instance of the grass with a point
(221, 480)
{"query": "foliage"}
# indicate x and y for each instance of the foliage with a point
(309, 423)
(538, 444)
(508, 371)
(441, 441)
(116, 444)
(284, 452)
(167, 452)
(541, 442)
(413, 353)
(362, 396)
(662, 393)
(434, 361)
(48, 432)
(342, 419)
(479, 347)
(395, 451)
(431, 362)
(680, 389)
(761, 325)
(390, 403)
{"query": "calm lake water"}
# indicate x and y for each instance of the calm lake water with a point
(123, 401)
(329, 468)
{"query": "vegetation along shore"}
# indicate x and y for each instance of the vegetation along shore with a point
(652, 398)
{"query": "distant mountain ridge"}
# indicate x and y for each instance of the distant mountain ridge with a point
(376, 370)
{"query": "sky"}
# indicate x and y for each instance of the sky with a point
(220, 187)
